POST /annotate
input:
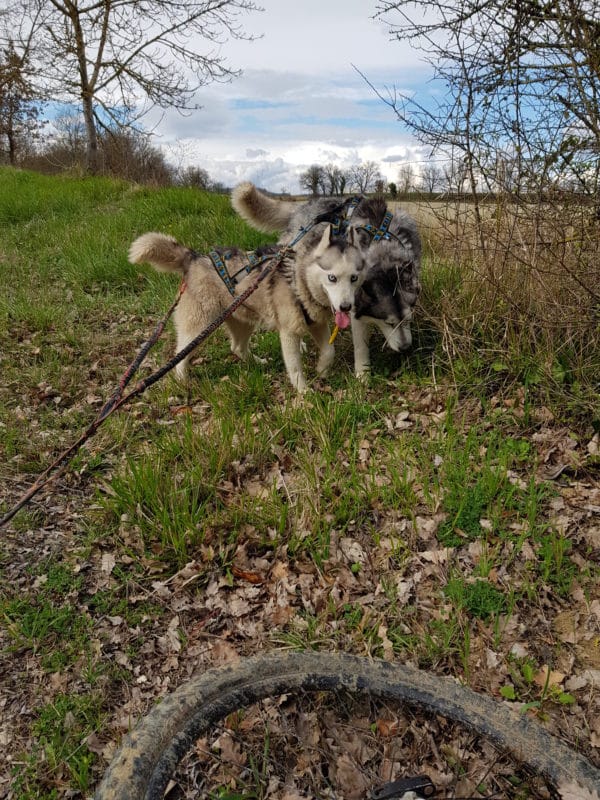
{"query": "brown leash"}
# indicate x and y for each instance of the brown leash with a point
(118, 399)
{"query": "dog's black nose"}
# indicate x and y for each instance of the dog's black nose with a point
(346, 307)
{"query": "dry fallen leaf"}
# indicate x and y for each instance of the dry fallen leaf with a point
(388, 727)
(386, 644)
(246, 575)
(108, 562)
(548, 677)
(572, 791)
(352, 779)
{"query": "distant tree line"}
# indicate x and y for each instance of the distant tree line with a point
(444, 177)
(333, 180)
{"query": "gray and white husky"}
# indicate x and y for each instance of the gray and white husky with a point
(390, 288)
(318, 278)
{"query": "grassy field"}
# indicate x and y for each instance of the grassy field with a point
(445, 514)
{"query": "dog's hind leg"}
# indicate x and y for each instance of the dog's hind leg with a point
(292, 358)
(183, 339)
(239, 335)
(321, 334)
(190, 320)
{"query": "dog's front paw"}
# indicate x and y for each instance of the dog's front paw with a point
(181, 371)
(363, 374)
(299, 383)
(326, 358)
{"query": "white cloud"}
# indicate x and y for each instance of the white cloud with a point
(300, 101)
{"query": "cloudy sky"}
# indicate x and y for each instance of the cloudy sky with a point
(300, 101)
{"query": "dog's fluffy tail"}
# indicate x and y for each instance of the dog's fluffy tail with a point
(163, 252)
(261, 211)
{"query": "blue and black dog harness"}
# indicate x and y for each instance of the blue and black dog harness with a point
(381, 232)
(339, 218)
(219, 259)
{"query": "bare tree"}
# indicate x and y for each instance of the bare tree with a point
(363, 177)
(343, 181)
(523, 79)
(196, 177)
(18, 112)
(313, 179)
(431, 178)
(406, 178)
(334, 179)
(63, 148)
(116, 59)
(455, 176)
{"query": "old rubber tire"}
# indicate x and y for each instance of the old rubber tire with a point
(149, 754)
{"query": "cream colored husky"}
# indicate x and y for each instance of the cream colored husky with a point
(390, 285)
(314, 287)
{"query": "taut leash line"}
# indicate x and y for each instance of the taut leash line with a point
(117, 399)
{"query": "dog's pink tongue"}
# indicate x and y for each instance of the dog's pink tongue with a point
(342, 320)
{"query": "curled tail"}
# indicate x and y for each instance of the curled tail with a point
(261, 211)
(162, 251)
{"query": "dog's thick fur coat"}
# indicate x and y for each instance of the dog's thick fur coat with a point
(390, 288)
(318, 279)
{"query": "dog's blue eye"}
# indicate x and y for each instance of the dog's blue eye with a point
(332, 278)
(353, 279)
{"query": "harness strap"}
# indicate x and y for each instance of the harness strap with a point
(352, 204)
(382, 232)
(222, 272)
(255, 261)
(307, 318)
(339, 216)
(340, 225)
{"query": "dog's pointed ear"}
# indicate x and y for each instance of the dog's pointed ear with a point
(358, 237)
(325, 241)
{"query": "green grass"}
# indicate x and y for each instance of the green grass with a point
(58, 634)
(61, 755)
(480, 599)
(356, 490)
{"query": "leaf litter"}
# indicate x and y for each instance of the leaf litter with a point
(379, 591)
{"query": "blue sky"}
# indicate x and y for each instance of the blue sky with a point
(300, 99)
